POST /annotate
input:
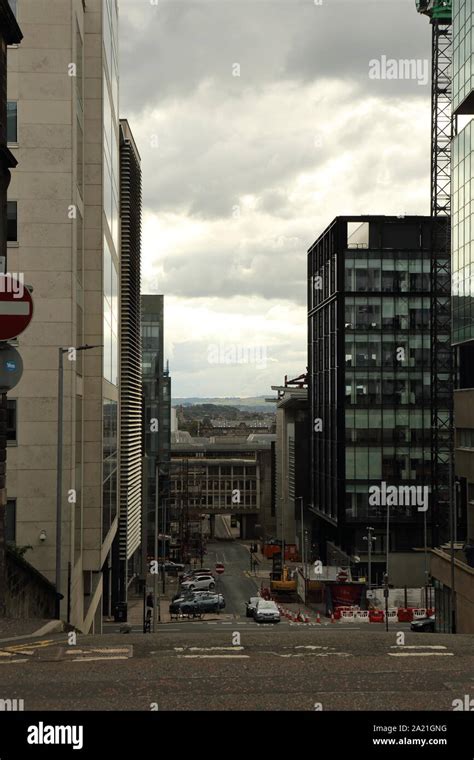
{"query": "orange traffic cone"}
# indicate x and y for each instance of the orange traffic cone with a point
(318, 618)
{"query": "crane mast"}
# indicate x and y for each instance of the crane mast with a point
(443, 364)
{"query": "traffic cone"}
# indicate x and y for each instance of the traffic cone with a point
(332, 618)
(318, 618)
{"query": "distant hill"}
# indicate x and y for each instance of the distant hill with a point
(246, 404)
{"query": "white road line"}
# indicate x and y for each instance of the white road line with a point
(418, 646)
(102, 659)
(215, 656)
(420, 654)
(208, 649)
(13, 662)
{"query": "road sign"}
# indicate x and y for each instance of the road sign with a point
(16, 307)
(11, 367)
(219, 568)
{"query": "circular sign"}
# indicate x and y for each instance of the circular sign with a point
(219, 568)
(16, 307)
(11, 368)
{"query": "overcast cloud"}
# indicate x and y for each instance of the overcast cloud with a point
(242, 173)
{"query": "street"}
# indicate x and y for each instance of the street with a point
(268, 668)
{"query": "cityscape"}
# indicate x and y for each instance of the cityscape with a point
(237, 369)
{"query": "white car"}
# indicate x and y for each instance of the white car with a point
(266, 611)
(204, 582)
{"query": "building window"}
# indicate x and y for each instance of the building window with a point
(12, 222)
(12, 121)
(10, 521)
(11, 420)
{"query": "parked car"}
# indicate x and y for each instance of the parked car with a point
(171, 567)
(190, 574)
(266, 611)
(190, 595)
(251, 605)
(206, 582)
(423, 625)
(197, 605)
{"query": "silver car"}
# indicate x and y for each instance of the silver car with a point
(266, 611)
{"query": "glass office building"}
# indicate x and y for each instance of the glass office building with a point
(370, 364)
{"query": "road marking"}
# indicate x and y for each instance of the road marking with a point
(31, 648)
(102, 659)
(311, 654)
(418, 646)
(215, 656)
(14, 662)
(420, 654)
(208, 649)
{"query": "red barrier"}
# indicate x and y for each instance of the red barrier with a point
(376, 616)
(405, 614)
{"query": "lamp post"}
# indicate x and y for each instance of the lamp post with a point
(59, 459)
(369, 538)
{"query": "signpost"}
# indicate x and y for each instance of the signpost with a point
(16, 307)
(219, 571)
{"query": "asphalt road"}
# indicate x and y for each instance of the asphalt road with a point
(236, 586)
(269, 668)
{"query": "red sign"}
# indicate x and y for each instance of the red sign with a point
(219, 568)
(16, 307)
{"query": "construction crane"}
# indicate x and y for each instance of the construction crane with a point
(443, 364)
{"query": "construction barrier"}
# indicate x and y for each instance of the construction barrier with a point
(393, 614)
(405, 614)
(347, 616)
(362, 616)
(419, 612)
(376, 616)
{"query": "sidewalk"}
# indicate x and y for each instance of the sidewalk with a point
(19, 628)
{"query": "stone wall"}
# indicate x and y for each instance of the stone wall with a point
(29, 594)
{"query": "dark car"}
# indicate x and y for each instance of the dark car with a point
(423, 625)
(196, 606)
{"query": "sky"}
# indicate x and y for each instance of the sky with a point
(258, 122)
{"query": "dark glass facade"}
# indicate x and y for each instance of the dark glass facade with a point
(156, 418)
(370, 366)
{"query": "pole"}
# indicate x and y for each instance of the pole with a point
(3, 503)
(385, 593)
(59, 477)
(452, 531)
(155, 575)
(369, 541)
(387, 538)
(425, 543)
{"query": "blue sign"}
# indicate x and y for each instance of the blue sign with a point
(10, 366)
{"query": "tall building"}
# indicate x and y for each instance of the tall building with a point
(10, 34)
(370, 391)
(292, 462)
(64, 131)
(126, 556)
(458, 598)
(156, 424)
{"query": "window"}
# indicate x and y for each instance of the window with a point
(12, 221)
(10, 521)
(11, 420)
(12, 121)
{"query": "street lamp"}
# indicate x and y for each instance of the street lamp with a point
(59, 474)
(369, 538)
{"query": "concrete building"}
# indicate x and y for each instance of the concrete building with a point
(63, 88)
(460, 599)
(223, 476)
(292, 464)
(10, 34)
(371, 391)
(156, 422)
